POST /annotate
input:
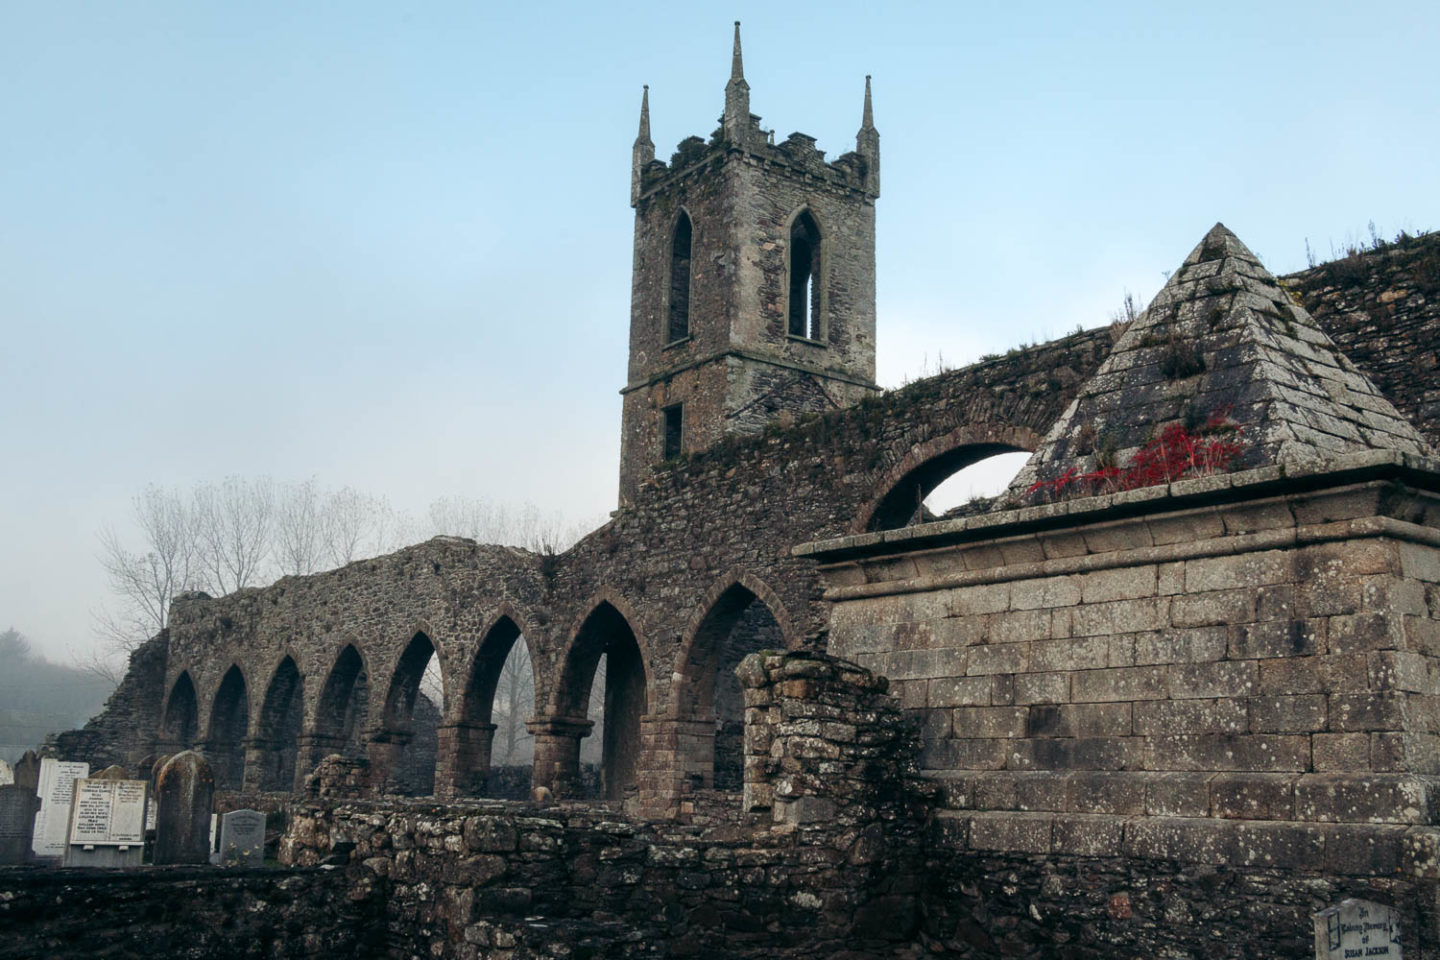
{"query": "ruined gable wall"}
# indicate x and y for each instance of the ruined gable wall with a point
(1382, 308)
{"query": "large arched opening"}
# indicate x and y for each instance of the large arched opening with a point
(282, 716)
(229, 725)
(707, 692)
(494, 749)
(921, 487)
(414, 704)
(343, 706)
(606, 650)
(181, 717)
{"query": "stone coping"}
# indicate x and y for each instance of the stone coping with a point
(1360, 797)
(1423, 472)
(1346, 849)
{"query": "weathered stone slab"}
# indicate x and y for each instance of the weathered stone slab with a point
(184, 797)
(17, 822)
(55, 789)
(1357, 929)
(107, 822)
(7, 774)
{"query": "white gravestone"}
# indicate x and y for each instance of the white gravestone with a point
(7, 775)
(1356, 930)
(52, 823)
(242, 838)
(107, 824)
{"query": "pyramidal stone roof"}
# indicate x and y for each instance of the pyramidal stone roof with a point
(1222, 343)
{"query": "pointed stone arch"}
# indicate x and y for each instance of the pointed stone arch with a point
(272, 761)
(805, 298)
(607, 629)
(739, 615)
(341, 709)
(228, 728)
(404, 745)
(467, 740)
(905, 486)
(180, 722)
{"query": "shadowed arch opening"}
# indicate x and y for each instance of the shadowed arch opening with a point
(281, 717)
(414, 704)
(229, 724)
(903, 502)
(344, 704)
(499, 697)
(678, 327)
(607, 634)
(182, 715)
(708, 692)
(804, 309)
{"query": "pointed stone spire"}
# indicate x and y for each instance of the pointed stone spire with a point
(867, 144)
(1222, 339)
(737, 63)
(644, 150)
(737, 98)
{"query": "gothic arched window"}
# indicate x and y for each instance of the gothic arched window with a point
(679, 325)
(805, 277)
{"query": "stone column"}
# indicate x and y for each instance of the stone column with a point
(677, 757)
(185, 798)
(557, 753)
(259, 755)
(462, 761)
(311, 748)
(385, 749)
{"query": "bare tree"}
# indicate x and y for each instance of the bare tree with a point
(234, 520)
(355, 525)
(299, 529)
(514, 704)
(145, 581)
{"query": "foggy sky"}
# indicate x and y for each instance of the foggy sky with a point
(391, 248)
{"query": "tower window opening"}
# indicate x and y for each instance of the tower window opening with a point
(679, 325)
(674, 430)
(805, 277)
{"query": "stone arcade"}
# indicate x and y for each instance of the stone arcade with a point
(1111, 718)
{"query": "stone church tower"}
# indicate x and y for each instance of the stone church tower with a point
(754, 283)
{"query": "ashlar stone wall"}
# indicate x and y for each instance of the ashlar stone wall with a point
(1232, 670)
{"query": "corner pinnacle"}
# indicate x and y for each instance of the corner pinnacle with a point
(737, 68)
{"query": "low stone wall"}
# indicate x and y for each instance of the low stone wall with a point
(984, 904)
(467, 879)
(185, 912)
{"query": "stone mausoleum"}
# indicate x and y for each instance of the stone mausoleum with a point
(1173, 694)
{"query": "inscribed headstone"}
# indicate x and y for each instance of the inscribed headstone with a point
(184, 796)
(107, 822)
(17, 822)
(242, 837)
(1356, 930)
(52, 823)
(7, 774)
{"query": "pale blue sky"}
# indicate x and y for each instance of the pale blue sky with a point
(389, 245)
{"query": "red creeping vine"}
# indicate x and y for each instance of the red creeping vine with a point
(1175, 454)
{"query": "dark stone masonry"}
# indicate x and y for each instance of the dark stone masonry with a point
(1173, 694)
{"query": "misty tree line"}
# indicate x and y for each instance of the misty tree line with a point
(38, 698)
(244, 532)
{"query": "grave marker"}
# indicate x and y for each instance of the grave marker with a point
(7, 774)
(107, 822)
(1357, 930)
(27, 771)
(184, 796)
(242, 838)
(56, 787)
(17, 822)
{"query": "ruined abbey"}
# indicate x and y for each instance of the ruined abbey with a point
(1172, 695)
